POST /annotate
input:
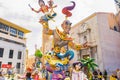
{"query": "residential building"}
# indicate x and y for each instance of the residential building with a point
(12, 45)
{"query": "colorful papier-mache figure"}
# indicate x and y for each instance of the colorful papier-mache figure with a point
(48, 15)
(66, 10)
(61, 39)
(77, 73)
(58, 59)
(57, 72)
(44, 72)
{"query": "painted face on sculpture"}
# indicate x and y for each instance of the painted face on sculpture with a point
(50, 3)
(41, 3)
(57, 49)
(58, 67)
(63, 50)
(66, 25)
(77, 65)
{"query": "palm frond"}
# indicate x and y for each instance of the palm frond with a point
(94, 64)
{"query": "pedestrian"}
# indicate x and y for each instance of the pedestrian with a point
(105, 74)
(67, 75)
(95, 75)
(44, 73)
(9, 72)
(99, 75)
(28, 74)
(113, 76)
(118, 74)
(1, 76)
(36, 76)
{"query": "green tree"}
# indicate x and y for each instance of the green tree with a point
(38, 53)
(89, 65)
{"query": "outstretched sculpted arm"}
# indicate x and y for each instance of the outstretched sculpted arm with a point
(46, 29)
(37, 11)
(78, 46)
(74, 46)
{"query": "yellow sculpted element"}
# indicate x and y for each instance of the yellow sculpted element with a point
(57, 49)
(45, 24)
(76, 47)
(53, 59)
(63, 36)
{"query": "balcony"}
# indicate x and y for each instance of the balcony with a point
(13, 38)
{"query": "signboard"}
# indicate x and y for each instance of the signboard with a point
(6, 66)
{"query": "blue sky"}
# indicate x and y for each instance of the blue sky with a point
(18, 12)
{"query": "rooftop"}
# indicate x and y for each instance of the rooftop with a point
(14, 25)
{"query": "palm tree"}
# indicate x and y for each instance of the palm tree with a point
(90, 65)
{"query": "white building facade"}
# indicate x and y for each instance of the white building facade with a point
(12, 45)
(102, 32)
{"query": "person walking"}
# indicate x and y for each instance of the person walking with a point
(105, 74)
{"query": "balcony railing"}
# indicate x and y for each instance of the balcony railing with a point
(14, 38)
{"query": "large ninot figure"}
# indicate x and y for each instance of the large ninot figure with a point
(61, 39)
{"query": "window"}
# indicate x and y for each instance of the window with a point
(13, 31)
(1, 26)
(20, 34)
(11, 54)
(19, 54)
(86, 56)
(84, 27)
(93, 52)
(4, 27)
(84, 51)
(84, 39)
(94, 49)
(18, 66)
(9, 63)
(0, 64)
(115, 28)
(1, 52)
